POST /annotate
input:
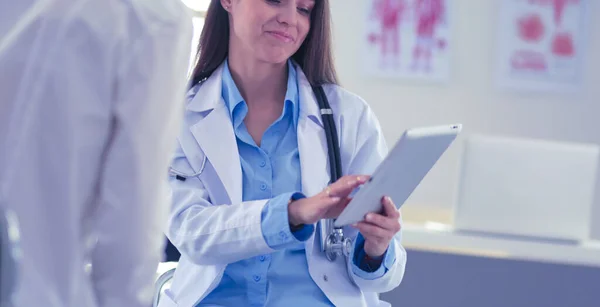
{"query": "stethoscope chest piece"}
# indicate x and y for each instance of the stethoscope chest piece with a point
(337, 245)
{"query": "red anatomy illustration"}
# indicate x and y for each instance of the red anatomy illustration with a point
(523, 60)
(390, 14)
(429, 14)
(562, 44)
(531, 28)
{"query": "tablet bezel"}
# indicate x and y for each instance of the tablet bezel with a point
(427, 144)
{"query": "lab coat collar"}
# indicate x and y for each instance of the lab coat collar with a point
(215, 135)
(308, 101)
(312, 145)
(209, 95)
(314, 164)
(233, 98)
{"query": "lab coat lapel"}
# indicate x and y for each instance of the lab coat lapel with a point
(314, 162)
(312, 145)
(214, 133)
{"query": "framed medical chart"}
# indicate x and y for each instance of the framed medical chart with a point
(540, 45)
(407, 39)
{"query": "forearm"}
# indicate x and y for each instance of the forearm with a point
(279, 230)
(219, 234)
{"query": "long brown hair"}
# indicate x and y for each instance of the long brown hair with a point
(314, 56)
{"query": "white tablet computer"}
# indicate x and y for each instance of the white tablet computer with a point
(401, 171)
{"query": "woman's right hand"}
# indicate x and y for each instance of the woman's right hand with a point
(329, 203)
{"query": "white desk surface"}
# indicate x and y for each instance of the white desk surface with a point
(431, 230)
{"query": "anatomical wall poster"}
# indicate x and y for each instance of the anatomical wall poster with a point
(540, 45)
(407, 39)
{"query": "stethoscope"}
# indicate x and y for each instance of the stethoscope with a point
(183, 176)
(333, 242)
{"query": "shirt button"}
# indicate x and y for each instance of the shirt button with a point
(256, 278)
(325, 278)
(262, 258)
(263, 163)
(263, 186)
(283, 235)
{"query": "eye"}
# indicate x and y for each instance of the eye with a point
(304, 10)
(274, 1)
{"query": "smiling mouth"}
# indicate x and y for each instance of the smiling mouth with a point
(284, 37)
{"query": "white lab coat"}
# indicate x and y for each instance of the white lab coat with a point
(90, 100)
(210, 234)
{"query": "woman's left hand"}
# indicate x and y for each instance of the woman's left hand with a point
(379, 229)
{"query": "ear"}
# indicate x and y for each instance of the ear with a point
(226, 4)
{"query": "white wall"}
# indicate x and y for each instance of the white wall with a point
(469, 97)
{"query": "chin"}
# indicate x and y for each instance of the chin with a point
(275, 57)
(275, 60)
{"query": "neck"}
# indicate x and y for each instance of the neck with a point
(258, 82)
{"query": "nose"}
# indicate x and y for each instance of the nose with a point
(288, 14)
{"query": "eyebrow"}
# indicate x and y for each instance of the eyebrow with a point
(311, 3)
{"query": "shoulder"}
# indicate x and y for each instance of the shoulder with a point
(192, 92)
(140, 14)
(156, 25)
(156, 13)
(344, 100)
(362, 144)
(114, 25)
(349, 107)
(138, 20)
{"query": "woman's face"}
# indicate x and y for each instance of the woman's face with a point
(268, 30)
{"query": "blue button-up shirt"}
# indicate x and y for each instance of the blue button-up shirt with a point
(272, 171)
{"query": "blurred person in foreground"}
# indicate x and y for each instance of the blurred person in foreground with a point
(91, 94)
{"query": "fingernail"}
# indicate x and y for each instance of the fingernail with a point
(369, 217)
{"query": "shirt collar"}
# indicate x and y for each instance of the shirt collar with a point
(233, 98)
(230, 92)
(292, 94)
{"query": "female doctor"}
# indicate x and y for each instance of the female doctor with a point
(245, 222)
